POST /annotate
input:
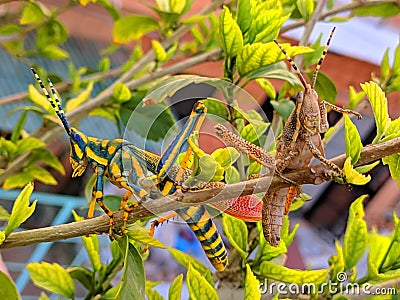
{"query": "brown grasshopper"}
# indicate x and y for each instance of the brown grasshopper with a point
(299, 142)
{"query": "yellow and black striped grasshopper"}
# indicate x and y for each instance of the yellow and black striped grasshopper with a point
(299, 142)
(119, 161)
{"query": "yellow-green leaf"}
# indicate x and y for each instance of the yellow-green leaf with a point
(379, 106)
(52, 277)
(91, 244)
(354, 97)
(186, 260)
(8, 289)
(267, 86)
(199, 288)
(121, 92)
(352, 140)
(230, 34)
(18, 180)
(39, 99)
(21, 210)
(4, 215)
(2, 237)
(244, 14)
(231, 175)
(142, 235)
(394, 166)
(352, 176)
(251, 286)
(175, 289)
(81, 98)
(29, 144)
(283, 274)
(32, 13)
(306, 8)
(133, 27)
(225, 156)
(355, 237)
(53, 52)
(236, 232)
(258, 55)
(159, 51)
(40, 174)
(392, 131)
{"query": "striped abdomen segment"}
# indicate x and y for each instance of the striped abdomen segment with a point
(199, 220)
(272, 214)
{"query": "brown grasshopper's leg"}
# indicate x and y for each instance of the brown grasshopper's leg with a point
(341, 109)
(317, 154)
(293, 192)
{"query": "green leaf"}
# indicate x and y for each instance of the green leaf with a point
(81, 98)
(306, 8)
(258, 55)
(366, 168)
(133, 27)
(251, 285)
(32, 13)
(394, 166)
(352, 140)
(355, 238)
(21, 210)
(199, 288)
(91, 244)
(253, 133)
(133, 277)
(244, 14)
(186, 260)
(225, 157)
(175, 289)
(354, 97)
(379, 107)
(283, 274)
(385, 67)
(53, 52)
(39, 99)
(231, 175)
(159, 51)
(325, 87)
(52, 32)
(83, 275)
(47, 158)
(40, 174)
(236, 232)
(392, 131)
(142, 235)
(284, 107)
(266, 251)
(16, 133)
(8, 289)
(276, 71)
(352, 176)
(152, 294)
(267, 86)
(121, 92)
(29, 144)
(18, 180)
(2, 237)
(267, 23)
(43, 296)
(52, 277)
(230, 34)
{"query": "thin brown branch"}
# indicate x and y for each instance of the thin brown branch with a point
(342, 8)
(315, 175)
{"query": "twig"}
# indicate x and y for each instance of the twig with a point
(315, 175)
(340, 9)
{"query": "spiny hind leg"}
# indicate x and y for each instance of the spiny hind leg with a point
(317, 154)
(158, 222)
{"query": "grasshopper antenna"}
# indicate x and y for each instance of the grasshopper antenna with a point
(58, 109)
(321, 60)
(295, 68)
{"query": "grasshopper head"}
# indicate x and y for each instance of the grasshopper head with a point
(310, 112)
(78, 156)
